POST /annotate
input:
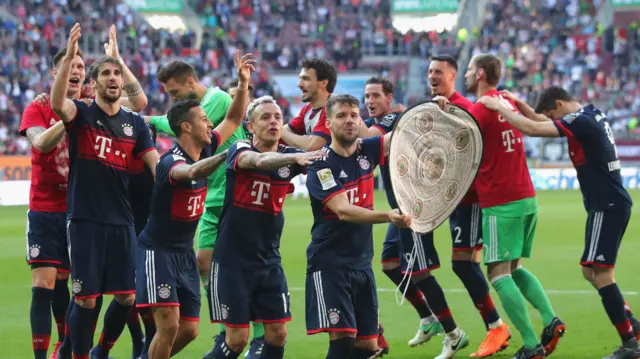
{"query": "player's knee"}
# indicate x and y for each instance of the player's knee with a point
(416, 278)
(125, 299)
(168, 327)
(587, 273)
(460, 256)
(276, 334)
(88, 303)
(390, 265)
(368, 344)
(62, 275)
(43, 278)
(603, 277)
(190, 332)
(237, 341)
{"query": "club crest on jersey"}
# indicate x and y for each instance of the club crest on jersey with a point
(224, 310)
(128, 129)
(76, 287)
(34, 251)
(364, 163)
(334, 316)
(284, 172)
(164, 291)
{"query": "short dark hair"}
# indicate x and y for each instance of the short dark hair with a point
(177, 70)
(179, 113)
(235, 82)
(387, 86)
(446, 58)
(548, 98)
(324, 71)
(95, 67)
(62, 53)
(492, 66)
(340, 99)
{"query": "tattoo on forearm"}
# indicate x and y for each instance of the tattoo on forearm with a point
(206, 167)
(266, 161)
(33, 132)
(133, 89)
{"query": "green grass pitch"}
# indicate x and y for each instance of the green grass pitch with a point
(557, 250)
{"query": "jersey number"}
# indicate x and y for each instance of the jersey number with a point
(458, 231)
(609, 132)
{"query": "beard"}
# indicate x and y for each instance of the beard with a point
(104, 94)
(347, 140)
(471, 86)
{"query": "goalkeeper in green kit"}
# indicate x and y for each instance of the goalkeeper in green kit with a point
(181, 82)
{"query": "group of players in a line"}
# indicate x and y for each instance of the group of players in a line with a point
(133, 238)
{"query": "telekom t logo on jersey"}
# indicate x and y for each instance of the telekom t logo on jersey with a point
(352, 195)
(103, 146)
(260, 190)
(509, 139)
(194, 205)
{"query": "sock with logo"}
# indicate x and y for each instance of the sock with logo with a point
(515, 306)
(532, 290)
(413, 294)
(272, 351)
(115, 320)
(437, 302)
(473, 279)
(340, 348)
(41, 320)
(59, 306)
(613, 303)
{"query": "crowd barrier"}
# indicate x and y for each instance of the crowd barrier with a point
(16, 192)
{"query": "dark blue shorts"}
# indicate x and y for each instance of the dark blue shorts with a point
(391, 245)
(342, 300)
(419, 255)
(466, 227)
(47, 240)
(168, 279)
(102, 258)
(240, 296)
(604, 234)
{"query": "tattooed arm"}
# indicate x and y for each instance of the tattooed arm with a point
(275, 160)
(132, 89)
(199, 170)
(45, 140)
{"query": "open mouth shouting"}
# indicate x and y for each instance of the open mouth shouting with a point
(75, 81)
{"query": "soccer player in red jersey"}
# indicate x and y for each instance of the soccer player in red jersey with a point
(466, 229)
(308, 131)
(509, 208)
(46, 225)
(103, 138)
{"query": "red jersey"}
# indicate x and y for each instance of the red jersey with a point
(504, 175)
(457, 99)
(49, 171)
(311, 121)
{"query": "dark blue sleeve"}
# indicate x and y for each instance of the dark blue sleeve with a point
(386, 125)
(372, 147)
(81, 115)
(144, 142)
(574, 125)
(322, 183)
(296, 169)
(234, 153)
(164, 167)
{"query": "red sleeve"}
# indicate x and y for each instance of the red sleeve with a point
(33, 116)
(297, 124)
(321, 128)
(481, 114)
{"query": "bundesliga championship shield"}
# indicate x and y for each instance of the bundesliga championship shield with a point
(433, 159)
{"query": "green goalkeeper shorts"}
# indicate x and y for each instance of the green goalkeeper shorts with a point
(208, 228)
(508, 237)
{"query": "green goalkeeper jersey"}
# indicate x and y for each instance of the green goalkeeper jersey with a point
(215, 104)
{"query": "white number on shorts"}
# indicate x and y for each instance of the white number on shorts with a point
(458, 231)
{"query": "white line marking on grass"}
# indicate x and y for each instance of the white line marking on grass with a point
(548, 291)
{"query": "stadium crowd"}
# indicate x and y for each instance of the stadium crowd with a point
(554, 50)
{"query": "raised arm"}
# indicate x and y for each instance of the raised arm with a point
(60, 104)
(523, 124)
(307, 143)
(199, 170)
(135, 96)
(45, 140)
(526, 110)
(236, 111)
(275, 160)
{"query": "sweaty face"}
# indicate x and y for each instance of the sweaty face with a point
(108, 86)
(76, 77)
(266, 123)
(378, 104)
(345, 123)
(308, 84)
(442, 77)
(199, 127)
(180, 91)
(471, 77)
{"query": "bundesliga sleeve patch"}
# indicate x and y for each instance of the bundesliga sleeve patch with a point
(387, 121)
(177, 158)
(242, 144)
(326, 179)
